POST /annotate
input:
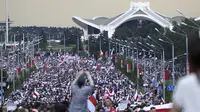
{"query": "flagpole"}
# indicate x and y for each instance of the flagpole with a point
(1, 76)
(23, 52)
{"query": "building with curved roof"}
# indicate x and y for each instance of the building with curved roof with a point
(137, 11)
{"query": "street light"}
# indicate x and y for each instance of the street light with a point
(197, 28)
(183, 23)
(186, 42)
(189, 20)
(172, 43)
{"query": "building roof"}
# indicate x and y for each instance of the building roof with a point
(138, 10)
(102, 20)
(197, 19)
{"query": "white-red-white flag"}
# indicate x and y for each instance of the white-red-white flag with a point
(91, 103)
(35, 94)
(128, 99)
(136, 96)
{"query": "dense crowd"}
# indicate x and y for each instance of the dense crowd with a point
(49, 87)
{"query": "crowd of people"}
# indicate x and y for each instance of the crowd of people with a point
(48, 88)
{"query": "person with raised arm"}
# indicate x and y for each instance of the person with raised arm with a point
(80, 92)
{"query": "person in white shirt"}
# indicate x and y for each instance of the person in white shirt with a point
(187, 94)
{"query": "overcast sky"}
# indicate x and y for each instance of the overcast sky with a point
(59, 12)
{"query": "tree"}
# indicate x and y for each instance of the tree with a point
(71, 36)
(43, 42)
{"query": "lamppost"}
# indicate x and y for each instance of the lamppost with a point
(186, 42)
(197, 28)
(189, 20)
(6, 40)
(172, 43)
(163, 64)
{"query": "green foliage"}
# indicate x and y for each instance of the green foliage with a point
(43, 42)
(72, 36)
(94, 43)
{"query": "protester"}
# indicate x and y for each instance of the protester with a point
(186, 95)
(54, 81)
(80, 92)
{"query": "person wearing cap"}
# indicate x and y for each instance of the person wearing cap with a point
(80, 92)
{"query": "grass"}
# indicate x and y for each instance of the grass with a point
(58, 47)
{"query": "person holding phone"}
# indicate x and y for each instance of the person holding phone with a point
(80, 92)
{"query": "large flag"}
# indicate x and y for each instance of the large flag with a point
(160, 108)
(91, 103)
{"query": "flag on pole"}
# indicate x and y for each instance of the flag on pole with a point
(122, 63)
(91, 103)
(128, 98)
(27, 67)
(33, 62)
(166, 74)
(128, 68)
(37, 58)
(19, 72)
(106, 53)
(116, 59)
